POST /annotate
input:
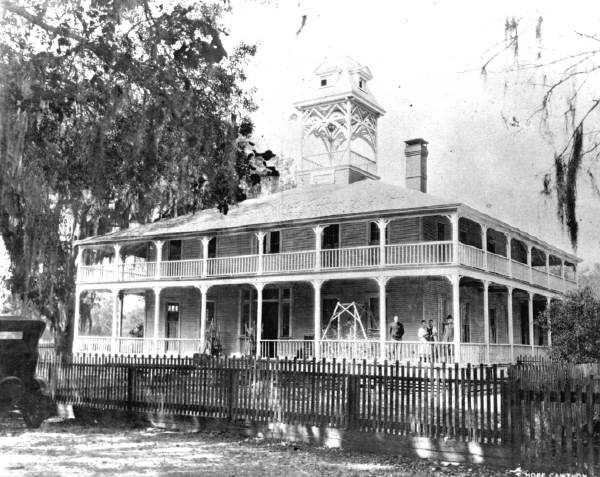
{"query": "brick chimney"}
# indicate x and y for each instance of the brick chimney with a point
(416, 164)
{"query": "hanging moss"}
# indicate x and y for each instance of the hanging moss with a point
(566, 185)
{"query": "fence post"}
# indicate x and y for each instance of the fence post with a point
(353, 402)
(131, 372)
(233, 391)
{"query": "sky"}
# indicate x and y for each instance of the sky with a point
(426, 59)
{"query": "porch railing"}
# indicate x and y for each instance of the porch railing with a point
(520, 271)
(423, 253)
(500, 353)
(239, 265)
(93, 344)
(181, 268)
(497, 263)
(289, 261)
(355, 257)
(400, 254)
(301, 349)
(349, 349)
(472, 256)
(178, 346)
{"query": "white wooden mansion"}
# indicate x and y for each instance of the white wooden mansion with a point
(266, 277)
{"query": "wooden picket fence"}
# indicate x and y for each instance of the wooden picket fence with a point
(458, 403)
(544, 414)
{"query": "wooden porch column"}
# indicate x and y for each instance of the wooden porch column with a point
(157, 291)
(509, 253)
(382, 281)
(205, 242)
(562, 274)
(530, 263)
(530, 318)
(159, 245)
(455, 279)
(203, 288)
(547, 270)
(484, 246)
(486, 320)
(260, 238)
(454, 219)
(511, 331)
(382, 224)
(115, 321)
(318, 230)
(317, 317)
(548, 302)
(259, 309)
(76, 316)
(117, 248)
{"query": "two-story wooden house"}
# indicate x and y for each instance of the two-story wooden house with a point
(270, 274)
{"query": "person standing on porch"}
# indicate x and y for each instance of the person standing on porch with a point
(448, 336)
(431, 337)
(396, 334)
(422, 335)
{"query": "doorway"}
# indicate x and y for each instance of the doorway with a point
(172, 327)
(270, 331)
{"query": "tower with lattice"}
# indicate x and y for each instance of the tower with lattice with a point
(339, 125)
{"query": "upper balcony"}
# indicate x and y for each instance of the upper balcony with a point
(197, 258)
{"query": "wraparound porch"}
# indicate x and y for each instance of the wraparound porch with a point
(495, 322)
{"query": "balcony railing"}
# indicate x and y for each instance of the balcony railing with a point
(396, 255)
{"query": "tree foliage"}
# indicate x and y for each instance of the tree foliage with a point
(567, 110)
(575, 326)
(112, 112)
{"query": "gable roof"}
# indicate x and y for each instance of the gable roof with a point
(294, 205)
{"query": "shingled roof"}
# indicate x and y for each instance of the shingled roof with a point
(294, 205)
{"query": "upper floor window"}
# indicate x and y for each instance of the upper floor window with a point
(331, 236)
(374, 233)
(361, 83)
(323, 81)
(271, 242)
(212, 247)
(174, 250)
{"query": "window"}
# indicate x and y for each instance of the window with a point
(361, 83)
(172, 321)
(248, 313)
(374, 233)
(174, 250)
(323, 81)
(493, 326)
(331, 236)
(465, 322)
(327, 306)
(441, 231)
(277, 316)
(212, 247)
(272, 242)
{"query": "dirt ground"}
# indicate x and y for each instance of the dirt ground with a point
(70, 448)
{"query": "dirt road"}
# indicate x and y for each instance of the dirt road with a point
(67, 448)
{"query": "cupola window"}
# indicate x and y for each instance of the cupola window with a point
(323, 81)
(361, 83)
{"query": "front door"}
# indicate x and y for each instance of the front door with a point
(172, 330)
(270, 330)
(525, 323)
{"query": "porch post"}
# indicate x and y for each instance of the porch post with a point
(484, 246)
(382, 281)
(548, 302)
(159, 245)
(530, 263)
(530, 317)
(547, 270)
(259, 310)
(509, 253)
(260, 237)
(203, 296)
(115, 318)
(317, 318)
(78, 261)
(76, 316)
(157, 291)
(454, 219)
(456, 313)
(486, 320)
(318, 230)
(562, 274)
(117, 248)
(511, 333)
(382, 224)
(205, 242)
